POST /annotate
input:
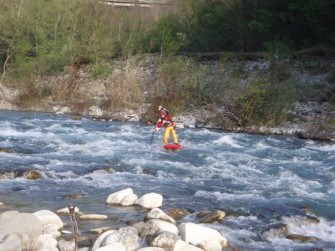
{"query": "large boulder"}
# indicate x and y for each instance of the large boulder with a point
(49, 219)
(184, 246)
(127, 236)
(117, 197)
(46, 242)
(160, 225)
(118, 246)
(157, 213)
(129, 200)
(164, 239)
(196, 234)
(151, 249)
(150, 200)
(18, 229)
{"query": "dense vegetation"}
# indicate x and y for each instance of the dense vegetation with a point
(41, 37)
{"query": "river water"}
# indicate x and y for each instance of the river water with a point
(267, 181)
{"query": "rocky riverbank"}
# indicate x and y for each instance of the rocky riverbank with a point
(177, 230)
(310, 117)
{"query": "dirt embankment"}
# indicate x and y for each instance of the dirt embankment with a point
(311, 115)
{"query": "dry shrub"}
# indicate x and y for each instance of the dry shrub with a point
(31, 94)
(126, 88)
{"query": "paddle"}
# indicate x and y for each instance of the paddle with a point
(152, 136)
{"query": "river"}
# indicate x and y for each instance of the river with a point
(267, 181)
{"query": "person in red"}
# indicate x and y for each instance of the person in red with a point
(166, 121)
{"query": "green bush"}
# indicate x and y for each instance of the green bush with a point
(164, 36)
(183, 83)
(31, 94)
(263, 103)
(100, 69)
(278, 49)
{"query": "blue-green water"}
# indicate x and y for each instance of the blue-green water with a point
(265, 180)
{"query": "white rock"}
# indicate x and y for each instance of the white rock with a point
(151, 249)
(46, 241)
(16, 226)
(65, 210)
(61, 109)
(95, 111)
(100, 230)
(164, 239)
(113, 247)
(48, 249)
(210, 246)
(129, 200)
(100, 242)
(4, 105)
(162, 226)
(66, 232)
(128, 236)
(183, 246)
(150, 200)
(195, 233)
(93, 217)
(14, 242)
(49, 218)
(66, 245)
(117, 197)
(83, 249)
(53, 230)
(157, 213)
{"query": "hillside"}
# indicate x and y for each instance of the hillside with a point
(249, 93)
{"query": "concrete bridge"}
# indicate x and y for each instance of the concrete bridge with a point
(141, 3)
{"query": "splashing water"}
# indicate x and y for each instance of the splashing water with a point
(265, 180)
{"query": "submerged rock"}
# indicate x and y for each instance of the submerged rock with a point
(178, 213)
(6, 150)
(279, 230)
(213, 216)
(32, 174)
(302, 238)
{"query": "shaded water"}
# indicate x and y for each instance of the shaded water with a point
(266, 180)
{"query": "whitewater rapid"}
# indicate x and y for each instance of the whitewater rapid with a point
(264, 180)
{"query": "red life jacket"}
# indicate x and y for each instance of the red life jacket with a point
(164, 118)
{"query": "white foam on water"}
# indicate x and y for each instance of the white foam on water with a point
(61, 176)
(258, 169)
(227, 140)
(321, 147)
(96, 147)
(252, 195)
(324, 230)
(12, 132)
(261, 145)
(109, 181)
(289, 181)
(331, 189)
